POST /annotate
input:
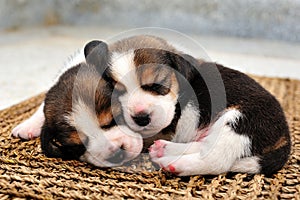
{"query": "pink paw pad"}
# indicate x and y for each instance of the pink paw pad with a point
(160, 153)
(158, 147)
(172, 169)
(30, 135)
(159, 144)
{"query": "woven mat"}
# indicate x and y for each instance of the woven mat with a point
(27, 173)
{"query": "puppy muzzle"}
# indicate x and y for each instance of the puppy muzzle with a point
(117, 157)
(142, 119)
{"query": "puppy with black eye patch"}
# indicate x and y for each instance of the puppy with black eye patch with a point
(221, 119)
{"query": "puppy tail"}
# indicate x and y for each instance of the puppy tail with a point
(275, 160)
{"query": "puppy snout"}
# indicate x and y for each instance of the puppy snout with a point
(139, 108)
(142, 119)
(118, 156)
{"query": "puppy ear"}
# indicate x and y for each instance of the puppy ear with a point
(96, 54)
(49, 148)
(188, 71)
(53, 148)
(185, 65)
(90, 46)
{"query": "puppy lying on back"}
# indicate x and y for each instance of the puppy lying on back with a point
(217, 119)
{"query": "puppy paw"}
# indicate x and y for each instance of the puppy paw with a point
(160, 153)
(157, 149)
(29, 129)
(176, 158)
(184, 165)
(170, 164)
(172, 169)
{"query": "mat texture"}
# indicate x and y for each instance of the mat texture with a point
(26, 173)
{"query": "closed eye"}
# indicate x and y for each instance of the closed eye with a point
(56, 143)
(156, 88)
(111, 124)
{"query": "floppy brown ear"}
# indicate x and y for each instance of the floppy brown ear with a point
(96, 54)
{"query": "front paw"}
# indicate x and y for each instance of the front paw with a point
(157, 149)
(171, 156)
(28, 129)
(169, 164)
(159, 154)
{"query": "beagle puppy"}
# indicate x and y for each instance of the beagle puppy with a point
(200, 117)
(78, 117)
(220, 119)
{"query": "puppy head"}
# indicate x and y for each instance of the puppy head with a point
(79, 110)
(149, 75)
(147, 88)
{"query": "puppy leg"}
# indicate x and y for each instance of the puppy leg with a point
(214, 154)
(31, 127)
(162, 148)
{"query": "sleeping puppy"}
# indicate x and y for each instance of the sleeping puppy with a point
(221, 119)
(213, 119)
(80, 116)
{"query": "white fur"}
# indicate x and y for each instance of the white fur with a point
(30, 128)
(123, 69)
(84, 119)
(220, 151)
(160, 108)
(246, 165)
(187, 124)
(102, 144)
(101, 147)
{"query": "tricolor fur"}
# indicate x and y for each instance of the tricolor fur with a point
(205, 118)
(248, 133)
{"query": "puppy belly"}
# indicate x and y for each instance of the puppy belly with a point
(30, 128)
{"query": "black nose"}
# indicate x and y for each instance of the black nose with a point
(142, 119)
(117, 157)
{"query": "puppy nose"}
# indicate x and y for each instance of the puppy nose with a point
(139, 108)
(117, 157)
(142, 119)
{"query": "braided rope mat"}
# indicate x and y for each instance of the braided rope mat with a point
(26, 173)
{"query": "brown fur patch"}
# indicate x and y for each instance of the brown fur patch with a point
(174, 87)
(153, 68)
(148, 56)
(280, 143)
(74, 138)
(146, 75)
(140, 42)
(105, 118)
